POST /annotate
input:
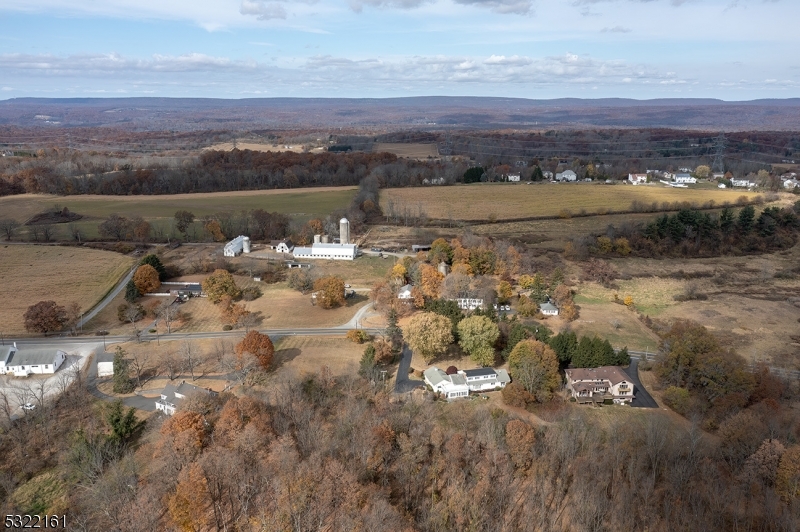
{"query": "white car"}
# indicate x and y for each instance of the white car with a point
(28, 406)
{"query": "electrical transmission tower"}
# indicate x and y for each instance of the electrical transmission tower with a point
(447, 147)
(719, 154)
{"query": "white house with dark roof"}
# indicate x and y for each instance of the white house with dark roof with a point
(405, 292)
(485, 379)
(22, 363)
(566, 175)
(459, 384)
(637, 179)
(172, 396)
(597, 384)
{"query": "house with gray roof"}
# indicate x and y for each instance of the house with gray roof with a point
(458, 385)
(22, 363)
(172, 396)
(485, 379)
(597, 384)
(548, 309)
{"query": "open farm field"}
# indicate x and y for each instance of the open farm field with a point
(505, 201)
(257, 146)
(31, 274)
(749, 303)
(411, 150)
(306, 203)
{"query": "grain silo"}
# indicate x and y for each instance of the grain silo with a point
(344, 231)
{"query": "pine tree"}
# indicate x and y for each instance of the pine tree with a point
(131, 292)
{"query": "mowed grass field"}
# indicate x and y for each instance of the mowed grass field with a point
(414, 150)
(31, 274)
(503, 201)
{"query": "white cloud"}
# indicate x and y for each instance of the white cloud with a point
(262, 10)
(358, 5)
(516, 7)
(616, 29)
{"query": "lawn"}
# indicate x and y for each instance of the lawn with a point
(503, 201)
(64, 274)
(296, 356)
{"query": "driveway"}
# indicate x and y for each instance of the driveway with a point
(402, 383)
(642, 398)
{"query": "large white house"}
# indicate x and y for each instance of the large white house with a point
(451, 386)
(638, 179)
(548, 309)
(597, 384)
(172, 396)
(30, 361)
(685, 179)
(566, 175)
(468, 303)
(321, 250)
(458, 385)
(514, 178)
(742, 182)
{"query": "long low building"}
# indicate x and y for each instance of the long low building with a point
(327, 251)
(22, 363)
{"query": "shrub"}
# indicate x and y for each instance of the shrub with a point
(677, 399)
(357, 336)
(251, 293)
(515, 395)
(227, 327)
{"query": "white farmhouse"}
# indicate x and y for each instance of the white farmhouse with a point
(240, 244)
(638, 179)
(742, 182)
(172, 396)
(790, 184)
(566, 175)
(485, 379)
(30, 361)
(548, 309)
(685, 179)
(451, 386)
(468, 303)
(405, 292)
(597, 384)
(514, 178)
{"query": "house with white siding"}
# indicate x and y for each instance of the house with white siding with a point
(172, 396)
(22, 363)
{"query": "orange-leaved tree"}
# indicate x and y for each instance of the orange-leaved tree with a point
(146, 279)
(259, 345)
(330, 291)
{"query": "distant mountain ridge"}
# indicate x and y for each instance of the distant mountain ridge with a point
(421, 112)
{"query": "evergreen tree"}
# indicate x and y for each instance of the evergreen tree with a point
(155, 262)
(123, 423)
(122, 381)
(623, 358)
(726, 220)
(131, 292)
(747, 217)
(393, 331)
(565, 345)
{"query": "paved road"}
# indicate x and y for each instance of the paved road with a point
(642, 398)
(106, 300)
(402, 383)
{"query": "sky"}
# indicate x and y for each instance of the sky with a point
(541, 49)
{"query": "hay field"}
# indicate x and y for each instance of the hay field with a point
(258, 146)
(503, 201)
(411, 150)
(302, 202)
(64, 274)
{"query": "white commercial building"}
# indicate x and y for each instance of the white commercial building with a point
(30, 361)
(240, 244)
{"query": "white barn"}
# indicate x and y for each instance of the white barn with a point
(282, 246)
(327, 251)
(240, 244)
(30, 361)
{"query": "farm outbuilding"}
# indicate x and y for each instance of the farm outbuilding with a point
(105, 365)
(240, 244)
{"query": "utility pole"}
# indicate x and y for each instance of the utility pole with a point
(719, 153)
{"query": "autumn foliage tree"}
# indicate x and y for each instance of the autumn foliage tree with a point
(534, 365)
(430, 281)
(44, 317)
(221, 283)
(232, 313)
(477, 335)
(258, 345)
(428, 334)
(520, 438)
(330, 291)
(146, 279)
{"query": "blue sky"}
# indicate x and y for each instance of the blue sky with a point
(728, 49)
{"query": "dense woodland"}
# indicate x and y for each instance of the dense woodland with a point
(341, 454)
